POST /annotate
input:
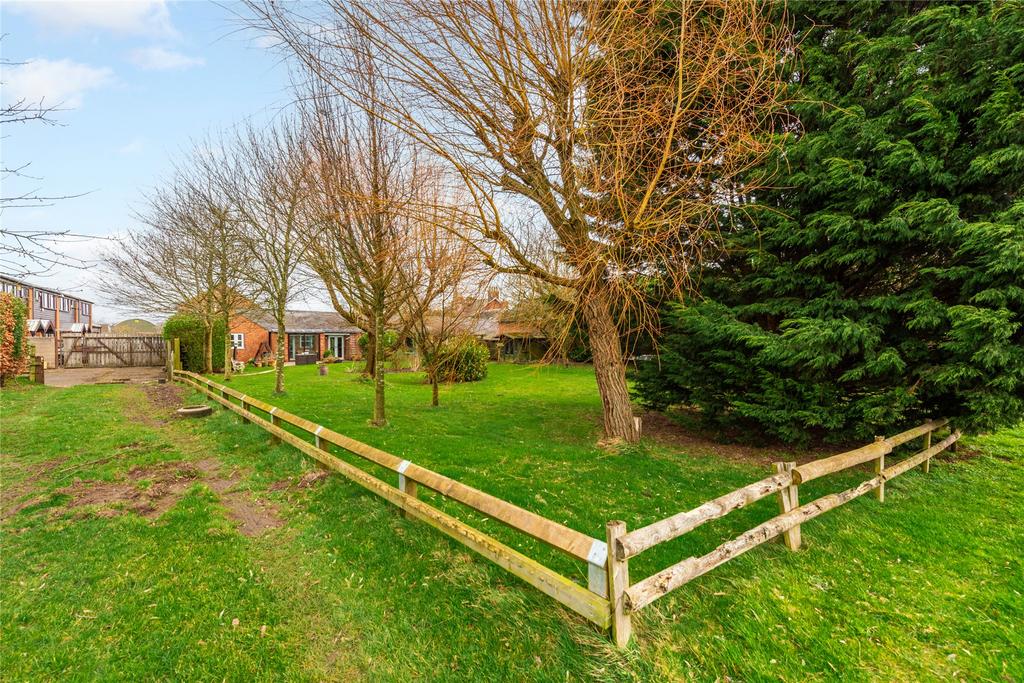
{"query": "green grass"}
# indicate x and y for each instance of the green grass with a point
(928, 586)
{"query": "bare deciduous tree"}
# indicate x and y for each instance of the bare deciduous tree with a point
(451, 279)
(609, 130)
(366, 175)
(265, 176)
(187, 260)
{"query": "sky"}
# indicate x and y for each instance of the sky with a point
(137, 81)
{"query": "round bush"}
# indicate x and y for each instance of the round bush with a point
(462, 359)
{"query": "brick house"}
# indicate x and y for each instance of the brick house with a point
(308, 334)
(508, 333)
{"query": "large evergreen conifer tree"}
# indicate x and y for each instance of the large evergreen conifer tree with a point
(884, 281)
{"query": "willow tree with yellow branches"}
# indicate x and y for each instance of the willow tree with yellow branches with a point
(609, 132)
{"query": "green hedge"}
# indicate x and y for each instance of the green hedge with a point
(189, 329)
(13, 350)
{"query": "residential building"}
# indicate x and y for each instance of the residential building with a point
(50, 312)
(508, 332)
(308, 336)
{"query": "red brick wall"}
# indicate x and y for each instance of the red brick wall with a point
(254, 336)
(352, 350)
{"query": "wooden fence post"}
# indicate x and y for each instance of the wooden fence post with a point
(169, 359)
(276, 421)
(879, 467)
(405, 484)
(618, 582)
(927, 445)
(245, 406)
(177, 354)
(789, 499)
(597, 568)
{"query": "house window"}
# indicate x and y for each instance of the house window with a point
(237, 341)
(66, 304)
(85, 308)
(47, 300)
(299, 344)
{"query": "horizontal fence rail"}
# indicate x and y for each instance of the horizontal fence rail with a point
(590, 603)
(785, 483)
(610, 599)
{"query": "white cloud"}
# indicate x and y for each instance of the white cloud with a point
(134, 147)
(132, 17)
(161, 59)
(266, 41)
(55, 82)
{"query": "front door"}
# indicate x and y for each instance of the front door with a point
(336, 343)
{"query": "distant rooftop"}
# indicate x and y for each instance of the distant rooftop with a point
(69, 295)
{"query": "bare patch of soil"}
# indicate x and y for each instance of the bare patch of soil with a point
(663, 430)
(164, 395)
(253, 516)
(167, 483)
(306, 481)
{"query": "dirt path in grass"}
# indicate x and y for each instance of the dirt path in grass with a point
(150, 491)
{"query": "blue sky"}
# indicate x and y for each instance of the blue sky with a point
(140, 79)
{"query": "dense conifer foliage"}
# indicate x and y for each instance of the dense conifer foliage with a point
(884, 280)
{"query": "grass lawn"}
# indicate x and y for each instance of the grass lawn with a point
(136, 546)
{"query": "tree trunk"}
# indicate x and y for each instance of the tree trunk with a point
(370, 369)
(279, 357)
(228, 349)
(208, 349)
(379, 418)
(609, 369)
(433, 387)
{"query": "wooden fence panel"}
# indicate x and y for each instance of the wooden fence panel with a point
(113, 351)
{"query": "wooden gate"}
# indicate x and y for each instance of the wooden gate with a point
(113, 351)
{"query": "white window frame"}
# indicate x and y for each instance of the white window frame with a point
(66, 305)
(47, 301)
(84, 308)
(237, 340)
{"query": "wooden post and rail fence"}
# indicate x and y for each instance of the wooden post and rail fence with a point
(609, 599)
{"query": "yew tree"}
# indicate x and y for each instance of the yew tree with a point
(603, 131)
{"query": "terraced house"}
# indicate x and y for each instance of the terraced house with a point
(51, 312)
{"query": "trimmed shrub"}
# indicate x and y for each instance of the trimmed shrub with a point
(461, 359)
(189, 329)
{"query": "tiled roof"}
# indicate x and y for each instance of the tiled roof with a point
(307, 321)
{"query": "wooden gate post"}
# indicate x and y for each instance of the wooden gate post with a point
(879, 467)
(789, 499)
(169, 359)
(618, 582)
(927, 445)
(177, 354)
